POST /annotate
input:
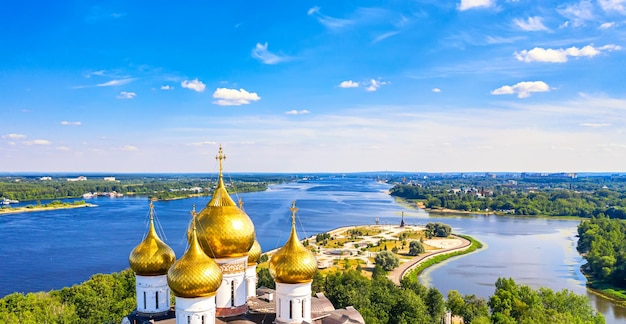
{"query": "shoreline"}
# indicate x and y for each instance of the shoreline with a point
(17, 210)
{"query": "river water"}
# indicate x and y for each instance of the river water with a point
(53, 249)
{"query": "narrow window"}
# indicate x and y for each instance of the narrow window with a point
(290, 309)
(157, 300)
(232, 294)
(304, 300)
(144, 300)
(203, 319)
(188, 319)
(279, 303)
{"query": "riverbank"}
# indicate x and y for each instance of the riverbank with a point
(16, 210)
(615, 294)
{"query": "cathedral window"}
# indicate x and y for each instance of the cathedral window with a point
(157, 299)
(232, 293)
(290, 309)
(144, 300)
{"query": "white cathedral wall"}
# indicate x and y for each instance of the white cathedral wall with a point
(153, 294)
(293, 302)
(251, 281)
(198, 310)
(233, 282)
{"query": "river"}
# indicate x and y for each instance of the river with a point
(52, 249)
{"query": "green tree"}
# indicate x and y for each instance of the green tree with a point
(387, 260)
(415, 248)
(265, 279)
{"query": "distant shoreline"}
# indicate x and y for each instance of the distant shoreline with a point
(17, 210)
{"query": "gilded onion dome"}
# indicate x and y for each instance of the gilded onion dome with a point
(225, 231)
(255, 253)
(195, 274)
(293, 263)
(151, 257)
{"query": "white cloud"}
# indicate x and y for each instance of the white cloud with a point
(595, 124)
(523, 89)
(607, 25)
(167, 87)
(531, 24)
(68, 123)
(195, 85)
(375, 84)
(117, 82)
(63, 148)
(261, 53)
(385, 36)
(297, 112)
(14, 136)
(329, 22)
(348, 84)
(577, 13)
(234, 97)
(38, 142)
(469, 4)
(613, 5)
(560, 55)
(437, 90)
(129, 148)
(126, 95)
(202, 143)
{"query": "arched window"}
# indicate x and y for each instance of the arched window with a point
(290, 309)
(203, 317)
(303, 300)
(156, 296)
(144, 300)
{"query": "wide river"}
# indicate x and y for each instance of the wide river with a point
(53, 249)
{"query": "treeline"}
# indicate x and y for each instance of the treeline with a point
(107, 298)
(602, 242)
(28, 189)
(550, 202)
(104, 298)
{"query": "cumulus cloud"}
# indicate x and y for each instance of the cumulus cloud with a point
(14, 136)
(328, 21)
(297, 112)
(607, 25)
(117, 82)
(469, 4)
(195, 85)
(348, 84)
(375, 84)
(577, 13)
(234, 97)
(62, 148)
(129, 148)
(38, 142)
(531, 24)
(613, 5)
(560, 55)
(69, 123)
(126, 95)
(167, 87)
(522, 89)
(437, 90)
(261, 53)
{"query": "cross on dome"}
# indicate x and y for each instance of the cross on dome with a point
(220, 157)
(294, 210)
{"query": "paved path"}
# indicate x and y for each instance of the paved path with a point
(398, 273)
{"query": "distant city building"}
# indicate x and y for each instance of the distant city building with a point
(80, 178)
(109, 178)
(45, 178)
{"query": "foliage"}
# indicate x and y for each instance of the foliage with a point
(442, 257)
(415, 248)
(265, 278)
(104, 298)
(513, 303)
(603, 244)
(438, 230)
(387, 260)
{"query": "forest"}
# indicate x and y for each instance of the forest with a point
(602, 242)
(107, 298)
(508, 200)
(32, 188)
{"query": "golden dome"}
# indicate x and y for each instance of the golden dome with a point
(255, 253)
(293, 263)
(194, 274)
(225, 231)
(151, 257)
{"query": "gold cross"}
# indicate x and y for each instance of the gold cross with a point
(220, 157)
(240, 202)
(294, 210)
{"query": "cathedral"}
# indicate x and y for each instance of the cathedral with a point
(215, 279)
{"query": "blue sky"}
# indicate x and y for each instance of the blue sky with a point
(305, 86)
